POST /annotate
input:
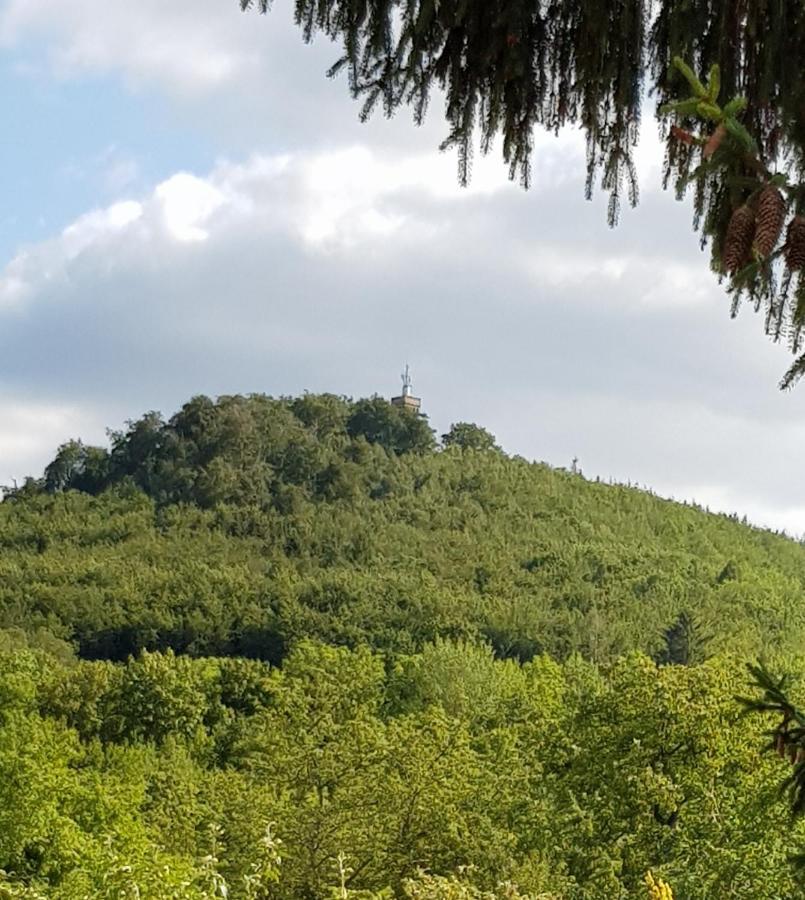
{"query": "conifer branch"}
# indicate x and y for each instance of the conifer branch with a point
(507, 69)
(787, 738)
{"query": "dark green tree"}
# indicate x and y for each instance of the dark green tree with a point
(468, 436)
(140, 453)
(772, 696)
(77, 467)
(685, 642)
(398, 430)
(324, 414)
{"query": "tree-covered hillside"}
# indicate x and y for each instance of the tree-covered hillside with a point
(298, 649)
(242, 526)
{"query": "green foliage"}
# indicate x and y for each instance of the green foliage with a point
(158, 696)
(787, 739)
(460, 887)
(732, 174)
(327, 536)
(393, 428)
(451, 695)
(467, 436)
(77, 466)
(508, 69)
(686, 642)
(347, 777)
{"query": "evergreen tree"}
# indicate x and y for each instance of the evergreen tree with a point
(685, 642)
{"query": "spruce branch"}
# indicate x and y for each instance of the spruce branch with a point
(787, 737)
(506, 70)
(748, 205)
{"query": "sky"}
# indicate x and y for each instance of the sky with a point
(188, 205)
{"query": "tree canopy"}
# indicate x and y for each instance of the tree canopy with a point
(442, 775)
(510, 66)
(280, 648)
(242, 525)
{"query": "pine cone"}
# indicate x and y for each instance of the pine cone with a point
(770, 220)
(738, 241)
(682, 135)
(795, 244)
(715, 141)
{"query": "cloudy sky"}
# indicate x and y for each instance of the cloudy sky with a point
(187, 205)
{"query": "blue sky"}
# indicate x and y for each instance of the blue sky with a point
(72, 143)
(189, 205)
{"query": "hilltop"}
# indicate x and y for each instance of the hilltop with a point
(242, 525)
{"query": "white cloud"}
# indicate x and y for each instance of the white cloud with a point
(187, 205)
(336, 201)
(190, 44)
(327, 261)
(14, 287)
(94, 227)
(666, 282)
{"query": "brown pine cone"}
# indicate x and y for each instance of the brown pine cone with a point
(770, 220)
(794, 249)
(714, 142)
(682, 135)
(737, 248)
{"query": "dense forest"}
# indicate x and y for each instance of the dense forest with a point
(299, 648)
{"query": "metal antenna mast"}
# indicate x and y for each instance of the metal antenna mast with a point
(406, 381)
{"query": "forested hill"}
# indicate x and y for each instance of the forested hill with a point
(240, 526)
(417, 740)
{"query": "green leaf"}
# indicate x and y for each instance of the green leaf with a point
(709, 110)
(714, 83)
(683, 108)
(690, 76)
(740, 134)
(735, 106)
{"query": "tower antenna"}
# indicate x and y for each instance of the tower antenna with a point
(406, 381)
(407, 400)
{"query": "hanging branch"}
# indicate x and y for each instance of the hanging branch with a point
(748, 208)
(508, 67)
(786, 738)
